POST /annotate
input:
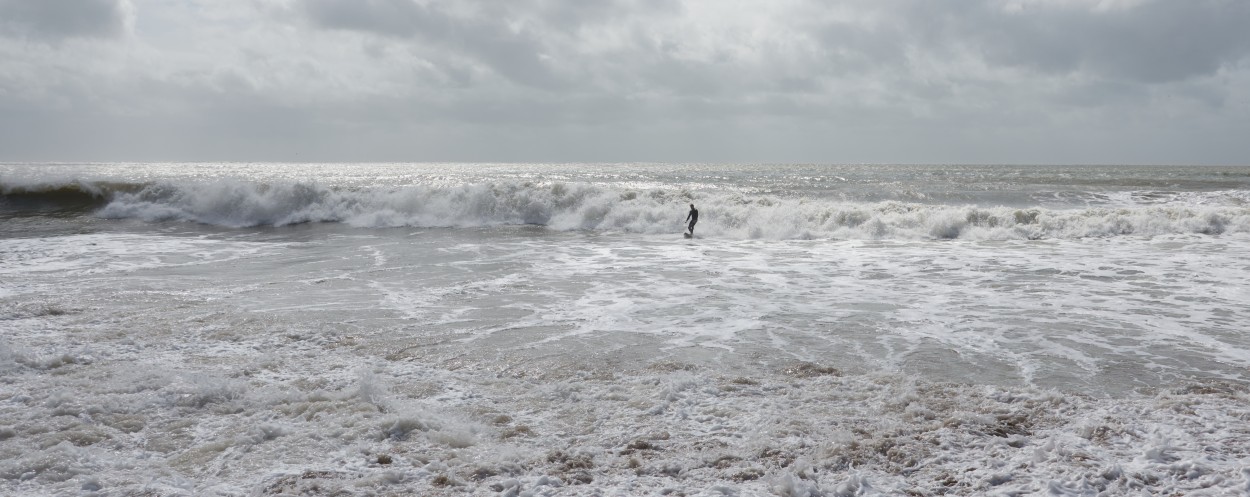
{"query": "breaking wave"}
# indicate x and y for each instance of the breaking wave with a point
(579, 206)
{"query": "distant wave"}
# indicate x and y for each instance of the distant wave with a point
(578, 206)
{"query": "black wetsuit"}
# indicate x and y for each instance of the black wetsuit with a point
(693, 217)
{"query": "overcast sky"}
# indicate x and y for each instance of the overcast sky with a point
(916, 81)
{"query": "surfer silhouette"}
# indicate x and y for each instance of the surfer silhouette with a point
(693, 217)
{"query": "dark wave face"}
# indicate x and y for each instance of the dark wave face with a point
(65, 200)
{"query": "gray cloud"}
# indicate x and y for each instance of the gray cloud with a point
(1157, 41)
(515, 55)
(388, 17)
(62, 19)
(862, 81)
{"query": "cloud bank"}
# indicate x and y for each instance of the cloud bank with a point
(1033, 81)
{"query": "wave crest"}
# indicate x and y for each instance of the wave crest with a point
(580, 206)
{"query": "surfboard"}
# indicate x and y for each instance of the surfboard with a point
(688, 235)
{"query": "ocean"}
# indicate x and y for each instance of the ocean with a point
(545, 329)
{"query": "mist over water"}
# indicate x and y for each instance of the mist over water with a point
(447, 329)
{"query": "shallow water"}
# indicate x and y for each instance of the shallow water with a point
(169, 356)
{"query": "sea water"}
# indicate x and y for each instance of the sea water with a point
(545, 329)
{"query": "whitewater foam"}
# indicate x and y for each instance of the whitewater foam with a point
(543, 330)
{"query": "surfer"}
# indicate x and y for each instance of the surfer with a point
(693, 217)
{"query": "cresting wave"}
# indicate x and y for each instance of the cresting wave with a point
(70, 198)
(579, 206)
